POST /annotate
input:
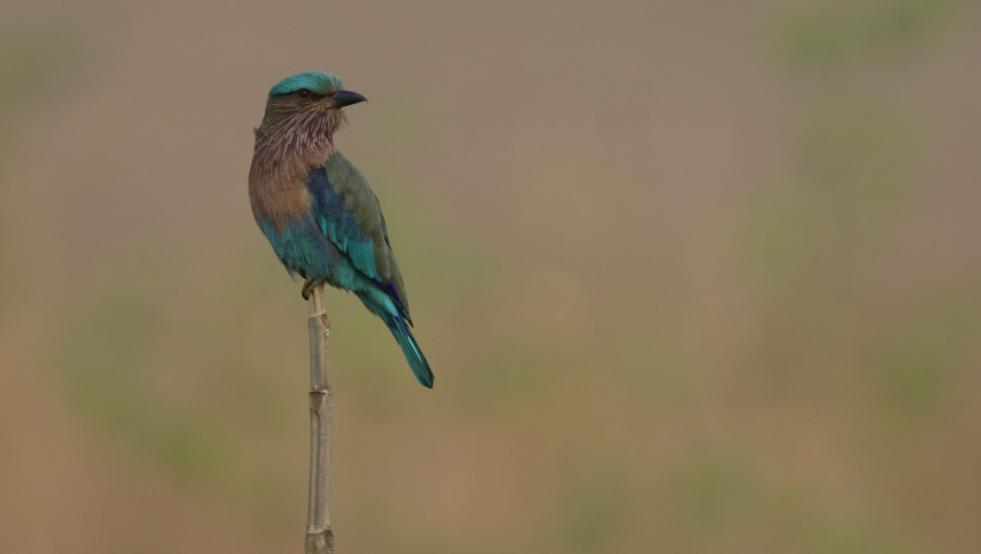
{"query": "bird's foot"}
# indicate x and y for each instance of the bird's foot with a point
(309, 285)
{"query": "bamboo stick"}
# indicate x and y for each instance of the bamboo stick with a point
(320, 534)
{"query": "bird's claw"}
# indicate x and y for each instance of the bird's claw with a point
(308, 287)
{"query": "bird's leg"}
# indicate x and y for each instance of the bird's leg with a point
(309, 285)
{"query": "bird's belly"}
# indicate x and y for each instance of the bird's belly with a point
(302, 249)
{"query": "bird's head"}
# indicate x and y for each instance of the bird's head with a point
(313, 90)
(310, 102)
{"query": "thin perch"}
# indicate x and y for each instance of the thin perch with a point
(320, 535)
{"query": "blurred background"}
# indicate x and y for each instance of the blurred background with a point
(693, 277)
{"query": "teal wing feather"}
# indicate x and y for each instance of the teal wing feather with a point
(349, 215)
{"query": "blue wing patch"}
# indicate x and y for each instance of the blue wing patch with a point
(337, 221)
(339, 225)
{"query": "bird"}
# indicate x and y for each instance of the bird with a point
(318, 212)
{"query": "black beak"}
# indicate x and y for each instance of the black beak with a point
(343, 98)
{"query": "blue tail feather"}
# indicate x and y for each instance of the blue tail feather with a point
(413, 354)
(399, 327)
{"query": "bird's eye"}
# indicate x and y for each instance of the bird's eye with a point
(303, 93)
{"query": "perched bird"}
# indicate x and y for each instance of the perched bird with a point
(317, 210)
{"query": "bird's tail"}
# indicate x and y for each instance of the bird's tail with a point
(413, 354)
(400, 330)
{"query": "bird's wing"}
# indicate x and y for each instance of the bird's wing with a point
(350, 216)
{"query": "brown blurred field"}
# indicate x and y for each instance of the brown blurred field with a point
(694, 277)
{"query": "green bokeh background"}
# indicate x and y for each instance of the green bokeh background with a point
(693, 277)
